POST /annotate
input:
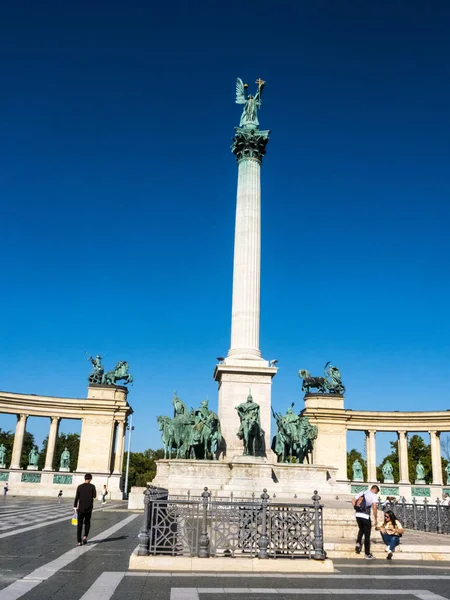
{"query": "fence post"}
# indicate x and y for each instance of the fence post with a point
(414, 503)
(264, 539)
(404, 512)
(439, 522)
(203, 549)
(427, 519)
(144, 538)
(319, 553)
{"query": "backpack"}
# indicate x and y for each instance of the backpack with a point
(361, 505)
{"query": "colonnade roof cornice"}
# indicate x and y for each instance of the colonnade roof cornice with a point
(68, 408)
(398, 420)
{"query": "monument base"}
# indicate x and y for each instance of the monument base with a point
(420, 482)
(388, 481)
(32, 468)
(64, 469)
(244, 477)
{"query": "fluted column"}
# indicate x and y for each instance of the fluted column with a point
(403, 457)
(436, 463)
(52, 435)
(18, 441)
(118, 461)
(249, 148)
(371, 456)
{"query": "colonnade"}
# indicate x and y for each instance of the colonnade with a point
(117, 447)
(436, 465)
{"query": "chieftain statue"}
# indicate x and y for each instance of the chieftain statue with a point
(194, 434)
(99, 377)
(65, 460)
(33, 457)
(388, 472)
(295, 437)
(357, 471)
(331, 383)
(250, 430)
(420, 472)
(2, 454)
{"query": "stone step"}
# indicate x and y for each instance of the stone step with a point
(403, 552)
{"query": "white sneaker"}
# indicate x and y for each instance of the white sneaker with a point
(387, 549)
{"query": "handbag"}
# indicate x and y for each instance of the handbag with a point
(75, 518)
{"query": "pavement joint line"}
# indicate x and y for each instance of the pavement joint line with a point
(22, 586)
(244, 574)
(44, 524)
(104, 586)
(194, 593)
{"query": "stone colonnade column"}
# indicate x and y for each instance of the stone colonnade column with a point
(403, 457)
(52, 435)
(18, 441)
(249, 148)
(436, 463)
(120, 438)
(371, 455)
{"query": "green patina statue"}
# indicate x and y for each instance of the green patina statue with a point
(447, 470)
(33, 457)
(388, 472)
(420, 472)
(99, 377)
(65, 459)
(331, 383)
(357, 471)
(250, 430)
(194, 434)
(249, 117)
(295, 437)
(2, 454)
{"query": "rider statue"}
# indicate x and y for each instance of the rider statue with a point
(250, 430)
(97, 375)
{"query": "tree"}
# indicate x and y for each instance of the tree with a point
(351, 457)
(142, 467)
(71, 441)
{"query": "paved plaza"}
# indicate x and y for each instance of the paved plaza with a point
(39, 561)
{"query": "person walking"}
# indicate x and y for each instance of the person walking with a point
(60, 496)
(364, 503)
(5, 489)
(104, 494)
(391, 529)
(84, 503)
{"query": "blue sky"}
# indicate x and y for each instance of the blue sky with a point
(118, 196)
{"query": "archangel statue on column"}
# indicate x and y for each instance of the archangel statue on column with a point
(249, 118)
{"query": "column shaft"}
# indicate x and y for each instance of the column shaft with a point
(371, 456)
(18, 441)
(403, 457)
(247, 263)
(436, 463)
(51, 444)
(118, 461)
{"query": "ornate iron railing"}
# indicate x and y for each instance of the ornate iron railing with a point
(205, 526)
(422, 517)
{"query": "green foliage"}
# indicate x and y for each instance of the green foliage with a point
(71, 441)
(142, 467)
(351, 457)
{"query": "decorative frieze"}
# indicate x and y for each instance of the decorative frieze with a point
(63, 479)
(4, 476)
(390, 491)
(421, 491)
(31, 478)
(355, 489)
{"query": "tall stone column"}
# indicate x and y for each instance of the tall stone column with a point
(52, 435)
(18, 441)
(244, 369)
(118, 460)
(436, 463)
(371, 456)
(403, 457)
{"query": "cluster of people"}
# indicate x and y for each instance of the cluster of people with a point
(389, 526)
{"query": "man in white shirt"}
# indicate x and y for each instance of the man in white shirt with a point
(365, 503)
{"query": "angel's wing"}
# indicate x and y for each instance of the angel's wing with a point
(240, 95)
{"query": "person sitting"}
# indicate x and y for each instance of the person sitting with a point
(391, 529)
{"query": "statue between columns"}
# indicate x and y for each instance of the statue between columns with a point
(2, 456)
(33, 457)
(64, 464)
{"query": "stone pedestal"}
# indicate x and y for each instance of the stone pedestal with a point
(388, 481)
(420, 482)
(64, 469)
(2, 466)
(32, 468)
(234, 381)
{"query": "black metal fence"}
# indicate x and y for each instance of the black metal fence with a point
(206, 527)
(422, 517)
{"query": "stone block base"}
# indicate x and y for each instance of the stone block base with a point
(32, 468)
(228, 565)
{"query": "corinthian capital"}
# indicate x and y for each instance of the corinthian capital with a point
(249, 143)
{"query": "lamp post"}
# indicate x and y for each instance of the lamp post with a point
(130, 428)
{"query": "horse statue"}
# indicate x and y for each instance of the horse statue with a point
(312, 382)
(209, 436)
(250, 430)
(167, 435)
(119, 372)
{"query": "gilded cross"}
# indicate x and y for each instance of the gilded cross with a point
(259, 81)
